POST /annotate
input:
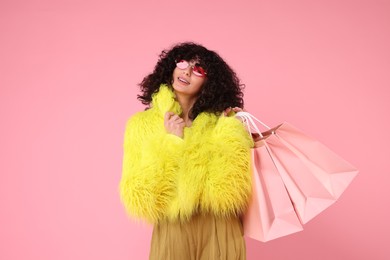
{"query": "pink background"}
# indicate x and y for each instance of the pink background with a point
(68, 75)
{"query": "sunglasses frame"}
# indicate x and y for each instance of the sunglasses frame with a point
(195, 68)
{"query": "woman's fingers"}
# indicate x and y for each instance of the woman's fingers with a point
(168, 116)
(238, 109)
(227, 111)
(234, 109)
(174, 124)
(176, 118)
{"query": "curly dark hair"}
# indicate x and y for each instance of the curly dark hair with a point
(222, 88)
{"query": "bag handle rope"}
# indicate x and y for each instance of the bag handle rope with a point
(249, 121)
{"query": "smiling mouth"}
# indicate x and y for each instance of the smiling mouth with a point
(183, 80)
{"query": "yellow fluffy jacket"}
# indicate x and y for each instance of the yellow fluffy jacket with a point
(166, 177)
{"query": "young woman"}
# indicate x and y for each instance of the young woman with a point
(186, 163)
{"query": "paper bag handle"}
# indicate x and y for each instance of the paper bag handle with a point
(250, 123)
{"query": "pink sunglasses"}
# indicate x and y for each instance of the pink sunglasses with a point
(196, 69)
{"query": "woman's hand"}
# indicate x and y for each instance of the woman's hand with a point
(235, 109)
(174, 124)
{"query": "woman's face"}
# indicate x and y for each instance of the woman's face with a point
(188, 80)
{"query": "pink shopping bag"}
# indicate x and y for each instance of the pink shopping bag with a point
(270, 213)
(313, 175)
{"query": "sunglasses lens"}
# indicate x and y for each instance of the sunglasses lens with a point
(199, 71)
(182, 64)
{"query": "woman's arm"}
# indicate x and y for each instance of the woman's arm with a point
(150, 160)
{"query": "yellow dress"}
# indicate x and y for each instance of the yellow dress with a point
(203, 237)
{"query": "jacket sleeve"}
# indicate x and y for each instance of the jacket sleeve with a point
(150, 159)
(229, 184)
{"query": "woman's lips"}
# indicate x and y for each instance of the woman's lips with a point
(183, 80)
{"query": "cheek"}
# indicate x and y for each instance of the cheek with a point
(198, 81)
(175, 73)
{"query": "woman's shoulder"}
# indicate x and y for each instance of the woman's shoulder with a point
(230, 128)
(141, 119)
(148, 114)
(218, 121)
(135, 118)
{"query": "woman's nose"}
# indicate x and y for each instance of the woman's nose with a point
(188, 71)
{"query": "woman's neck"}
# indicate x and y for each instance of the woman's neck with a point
(186, 104)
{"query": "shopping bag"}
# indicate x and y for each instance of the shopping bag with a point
(313, 175)
(270, 213)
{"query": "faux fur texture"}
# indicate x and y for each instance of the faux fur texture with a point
(167, 177)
